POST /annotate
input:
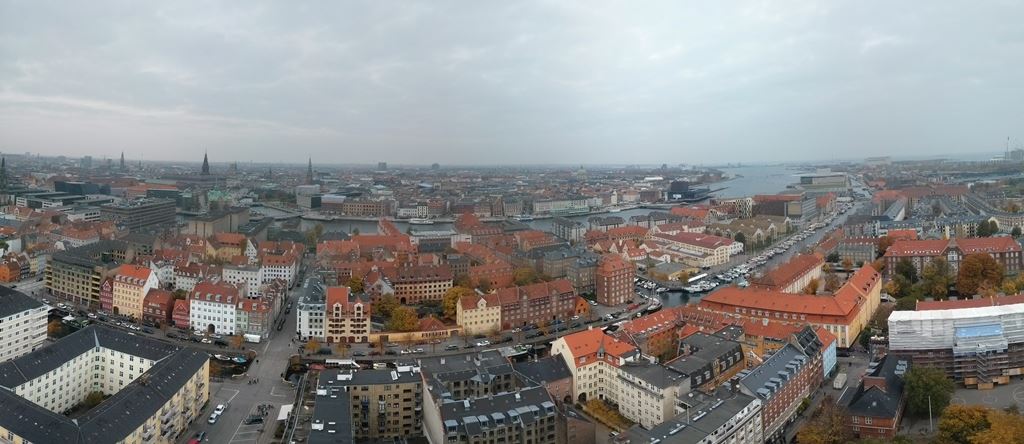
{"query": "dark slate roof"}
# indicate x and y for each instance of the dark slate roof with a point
(654, 374)
(551, 368)
(766, 373)
(528, 405)
(14, 301)
(89, 255)
(874, 401)
(114, 418)
(336, 377)
(334, 407)
(334, 235)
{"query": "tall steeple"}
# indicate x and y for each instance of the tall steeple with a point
(3, 173)
(309, 172)
(206, 165)
(123, 166)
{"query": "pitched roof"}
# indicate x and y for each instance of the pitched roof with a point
(992, 301)
(588, 342)
(133, 272)
(789, 272)
(842, 303)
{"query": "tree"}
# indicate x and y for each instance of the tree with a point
(827, 426)
(386, 305)
(1015, 232)
(1004, 427)
(978, 271)
(906, 269)
(314, 234)
(355, 283)
(832, 282)
(960, 422)
(740, 237)
(451, 299)
(878, 265)
(312, 345)
(236, 341)
(812, 286)
(684, 276)
(936, 278)
(402, 319)
(53, 328)
(93, 399)
(906, 304)
(179, 294)
(484, 286)
(524, 276)
(883, 244)
(923, 383)
(847, 264)
(832, 257)
(355, 231)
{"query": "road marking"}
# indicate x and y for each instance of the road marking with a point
(232, 398)
(282, 396)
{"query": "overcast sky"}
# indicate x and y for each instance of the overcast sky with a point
(474, 82)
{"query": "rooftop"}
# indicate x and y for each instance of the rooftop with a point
(14, 302)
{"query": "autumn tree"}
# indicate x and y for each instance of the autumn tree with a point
(312, 345)
(827, 426)
(93, 399)
(1004, 427)
(832, 282)
(883, 244)
(924, 384)
(236, 341)
(977, 271)
(451, 299)
(878, 265)
(847, 264)
(355, 283)
(179, 294)
(53, 328)
(812, 286)
(402, 319)
(386, 305)
(959, 423)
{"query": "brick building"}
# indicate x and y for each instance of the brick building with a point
(613, 281)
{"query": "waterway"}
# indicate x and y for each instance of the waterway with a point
(751, 180)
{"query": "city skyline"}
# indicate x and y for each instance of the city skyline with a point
(486, 84)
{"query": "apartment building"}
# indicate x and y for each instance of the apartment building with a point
(876, 406)
(593, 356)
(24, 323)
(781, 383)
(613, 281)
(213, 306)
(417, 283)
(696, 249)
(310, 309)
(76, 275)
(130, 285)
(347, 316)
(654, 334)
(540, 303)
(383, 404)
(724, 416)
(158, 306)
(154, 390)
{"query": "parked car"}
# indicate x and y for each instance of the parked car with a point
(220, 409)
(213, 418)
(450, 347)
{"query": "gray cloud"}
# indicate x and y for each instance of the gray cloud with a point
(509, 82)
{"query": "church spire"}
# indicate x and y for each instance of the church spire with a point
(309, 172)
(123, 167)
(206, 165)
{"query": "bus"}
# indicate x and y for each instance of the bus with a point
(696, 278)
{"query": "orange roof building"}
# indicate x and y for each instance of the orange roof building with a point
(792, 276)
(844, 314)
(1004, 250)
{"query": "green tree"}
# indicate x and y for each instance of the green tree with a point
(832, 257)
(355, 283)
(924, 383)
(179, 294)
(403, 319)
(960, 422)
(906, 304)
(906, 268)
(740, 237)
(355, 231)
(936, 278)
(978, 271)
(386, 305)
(1015, 232)
(451, 299)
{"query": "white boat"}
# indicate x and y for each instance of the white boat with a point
(523, 218)
(420, 221)
(615, 210)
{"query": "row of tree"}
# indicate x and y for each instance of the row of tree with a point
(977, 273)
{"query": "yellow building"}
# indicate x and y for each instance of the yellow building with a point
(131, 283)
(479, 315)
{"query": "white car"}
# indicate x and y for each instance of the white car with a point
(206, 341)
(219, 410)
(213, 418)
(575, 318)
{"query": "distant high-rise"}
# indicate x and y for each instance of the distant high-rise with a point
(123, 166)
(381, 166)
(435, 166)
(3, 173)
(86, 162)
(206, 165)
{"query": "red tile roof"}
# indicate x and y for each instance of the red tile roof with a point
(935, 247)
(698, 239)
(130, 271)
(841, 304)
(588, 342)
(970, 303)
(789, 272)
